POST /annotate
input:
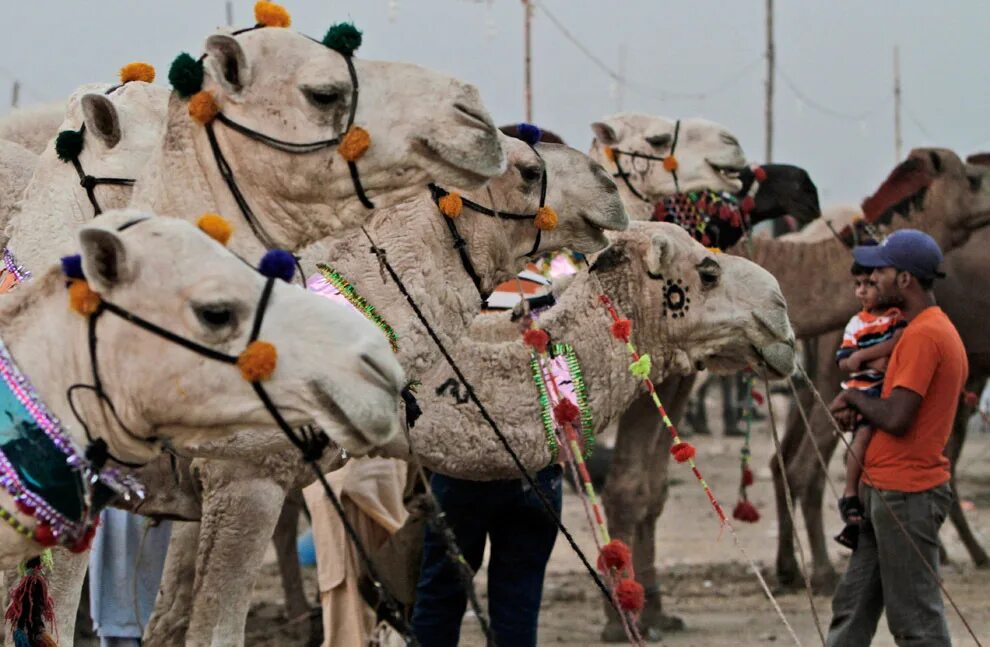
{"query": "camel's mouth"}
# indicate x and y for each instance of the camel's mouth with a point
(776, 359)
(595, 241)
(728, 172)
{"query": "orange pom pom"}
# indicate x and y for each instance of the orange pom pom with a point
(621, 329)
(630, 595)
(451, 205)
(683, 452)
(203, 107)
(609, 154)
(216, 227)
(615, 554)
(82, 299)
(670, 163)
(746, 511)
(546, 219)
(354, 144)
(137, 72)
(270, 14)
(536, 339)
(566, 411)
(258, 361)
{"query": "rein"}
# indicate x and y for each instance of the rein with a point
(615, 154)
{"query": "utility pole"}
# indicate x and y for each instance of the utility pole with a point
(620, 90)
(528, 58)
(15, 94)
(230, 13)
(768, 155)
(898, 142)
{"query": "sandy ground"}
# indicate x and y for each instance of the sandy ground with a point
(705, 578)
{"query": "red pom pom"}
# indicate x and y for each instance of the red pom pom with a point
(747, 204)
(971, 399)
(682, 452)
(746, 511)
(536, 339)
(630, 595)
(757, 397)
(621, 329)
(44, 535)
(84, 542)
(660, 211)
(725, 212)
(760, 174)
(26, 508)
(705, 240)
(566, 411)
(615, 554)
(747, 477)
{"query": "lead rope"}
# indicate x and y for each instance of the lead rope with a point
(806, 575)
(931, 570)
(811, 437)
(547, 506)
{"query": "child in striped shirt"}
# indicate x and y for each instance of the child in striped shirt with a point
(867, 343)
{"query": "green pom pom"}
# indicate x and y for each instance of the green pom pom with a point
(640, 369)
(186, 75)
(68, 145)
(343, 37)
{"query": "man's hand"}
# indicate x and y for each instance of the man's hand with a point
(843, 412)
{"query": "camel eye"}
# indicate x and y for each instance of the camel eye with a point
(709, 278)
(215, 315)
(530, 173)
(660, 141)
(322, 99)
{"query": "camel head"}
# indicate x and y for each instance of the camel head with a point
(120, 126)
(707, 155)
(785, 190)
(334, 369)
(423, 126)
(935, 191)
(713, 310)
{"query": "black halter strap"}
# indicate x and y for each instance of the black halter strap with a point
(624, 176)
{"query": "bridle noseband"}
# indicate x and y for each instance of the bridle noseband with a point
(614, 154)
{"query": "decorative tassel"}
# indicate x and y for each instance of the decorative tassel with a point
(536, 339)
(757, 397)
(630, 595)
(451, 205)
(278, 264)
(82, 299)
(622, 329)
(343, 37)
(760, 174)
(683, 452)
(747, 204)
(44, 535)
(566, 411)
(216, 227)
(31, 607)
(615, 554)
(186, 75)
(270, 14)
(72, 267)
(203, 107)
(529, 133)
(546, 219)
(137, 71)
(746, 511)
(257, 362)
(747, 477)
(354, 144)
(670, 163)
(640, 369)
(68, 145)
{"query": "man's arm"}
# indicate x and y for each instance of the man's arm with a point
(893, 414)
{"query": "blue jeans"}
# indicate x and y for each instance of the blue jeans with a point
(522, 535)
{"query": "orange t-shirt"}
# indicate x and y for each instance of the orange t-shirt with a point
(931, 361)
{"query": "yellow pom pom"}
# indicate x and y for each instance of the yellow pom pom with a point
(216, 227)
(714, 250)
(641, 367)
(670, 163)
(257, 362)
(82, 299)
(354, 144)
(546, 219)
(451, 205)
(609, 154)
(137, 72)
(270, 14)
(203, 107)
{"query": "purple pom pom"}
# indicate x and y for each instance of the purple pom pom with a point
(278, 264)
(530, 134)
(72, 267)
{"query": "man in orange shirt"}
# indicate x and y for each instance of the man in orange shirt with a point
(905, 481)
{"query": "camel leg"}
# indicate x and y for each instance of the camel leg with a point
(239, 518)
(823, 575)
(788, 573)
(697, 414)
(170, 619)
(953, 449)
(286, 531)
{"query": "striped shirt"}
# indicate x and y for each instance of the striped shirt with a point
(863, 331)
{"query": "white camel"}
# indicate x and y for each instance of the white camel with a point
(34, 126)
(17, 165)
(169, 273)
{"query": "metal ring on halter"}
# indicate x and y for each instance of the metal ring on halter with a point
(460, 244)
(624, 176)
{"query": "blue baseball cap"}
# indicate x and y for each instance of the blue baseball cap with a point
(907, 250)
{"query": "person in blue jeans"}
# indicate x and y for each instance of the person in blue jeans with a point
(522, 534)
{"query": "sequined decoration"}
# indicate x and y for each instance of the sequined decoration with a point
(566, 369)
(713, 218)
(330, 284)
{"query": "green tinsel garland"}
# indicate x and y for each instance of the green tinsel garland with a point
(348, 292)
(580, 391)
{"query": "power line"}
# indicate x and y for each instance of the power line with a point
(832, 112)
(917, 122)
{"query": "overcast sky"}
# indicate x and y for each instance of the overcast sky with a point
(834, 100)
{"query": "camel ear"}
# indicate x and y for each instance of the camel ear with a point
(606, 134)
(228, 63)
(100, 117)
(105, 259)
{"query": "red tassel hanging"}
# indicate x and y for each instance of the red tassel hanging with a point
(566, 411)
(760, 174)
(630, 595)
(747, 204)
(44, 535)
(621, 329)
(615, 554)
(682, 452)
(747, 477)
(757, 397)
(536, 339)
(31, 607)
(746, 511)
